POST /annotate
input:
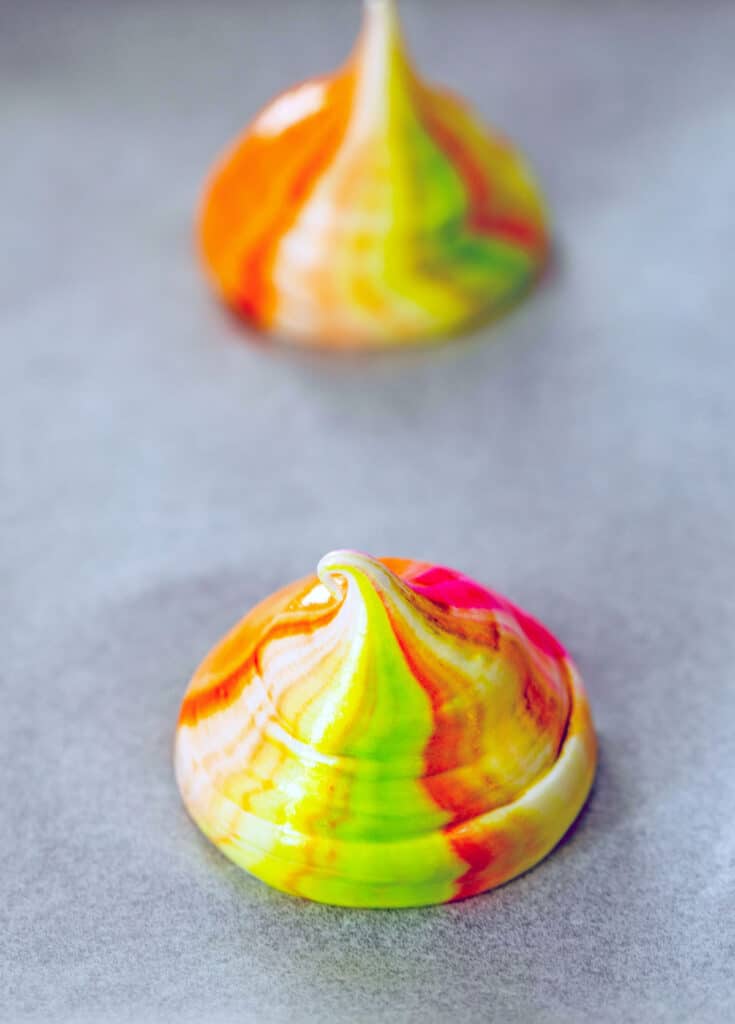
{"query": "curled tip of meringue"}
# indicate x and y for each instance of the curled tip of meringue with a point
(334, 562)
(345, 559)
(345, 562)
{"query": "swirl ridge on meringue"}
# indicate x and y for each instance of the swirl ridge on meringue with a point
(368, 208)
(387, 733)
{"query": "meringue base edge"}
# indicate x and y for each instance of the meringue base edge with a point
(554, 804)
(453, 861)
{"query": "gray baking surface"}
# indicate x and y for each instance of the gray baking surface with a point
(161, 472)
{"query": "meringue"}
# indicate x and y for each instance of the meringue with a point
(385, 734)
(371, 209)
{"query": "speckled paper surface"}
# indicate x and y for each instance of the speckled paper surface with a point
(160, 474)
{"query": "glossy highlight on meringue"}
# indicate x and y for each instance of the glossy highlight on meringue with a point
(385, 734)
(371, 209)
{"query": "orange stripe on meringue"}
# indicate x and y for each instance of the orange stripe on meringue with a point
(257, 193)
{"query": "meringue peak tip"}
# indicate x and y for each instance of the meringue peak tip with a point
(345, 560)
(382, 5)
(382, 25)
(387, 9)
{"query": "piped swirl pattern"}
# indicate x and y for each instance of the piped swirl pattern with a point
(387, 733)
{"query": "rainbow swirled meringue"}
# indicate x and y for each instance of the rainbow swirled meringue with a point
(371, 209)
(386, 734)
